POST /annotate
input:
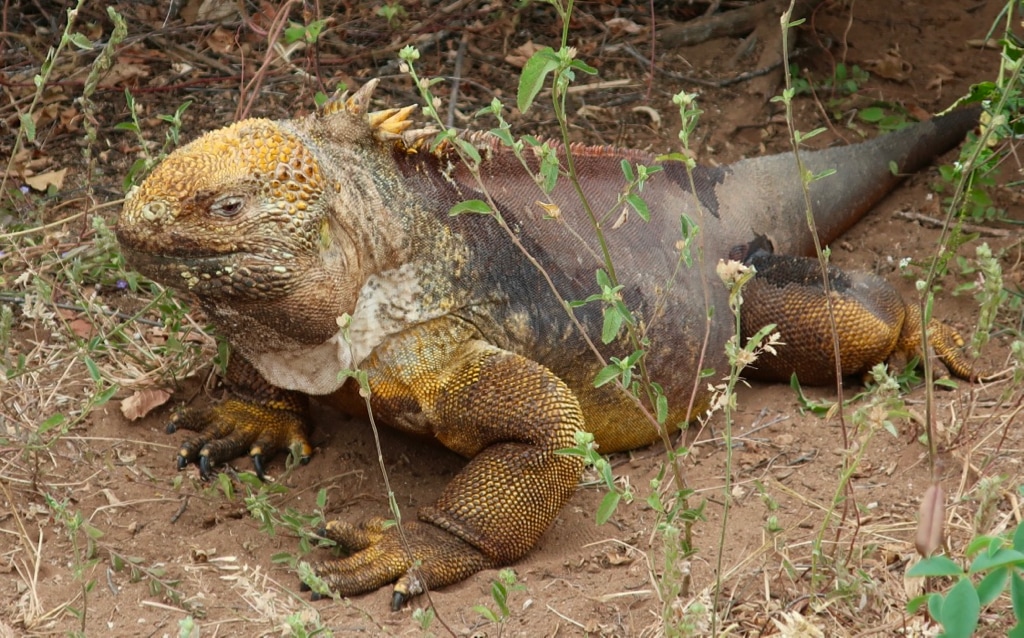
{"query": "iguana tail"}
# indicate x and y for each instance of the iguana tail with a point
(863, 176)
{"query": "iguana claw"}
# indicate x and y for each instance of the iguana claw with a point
(398, 599)
(205, 471)
(378, 555)
(235, 428)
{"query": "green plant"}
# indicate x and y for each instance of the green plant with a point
(307, 33)
(84, 555)
(845, 80)
(501, 587)
(586, 450)
(297, 623)
(997, 565)
(393, 12)
(141, 167)
(840, 90)
(27, 128)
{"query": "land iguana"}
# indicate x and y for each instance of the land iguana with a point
(278, 229)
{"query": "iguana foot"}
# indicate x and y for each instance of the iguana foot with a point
(944, 340)
(233, 428)
(377, 557)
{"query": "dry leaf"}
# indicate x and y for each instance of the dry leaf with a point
(589, 111)
(930, 519)
(222, 40)
(614, 559)
(791, 624)
(123, 71)
(156, 336)
(43, 181)
(45, 115)
(217, 10)
(522, 53)
(68, 118)
(651, 113)
(82, 328)
(143, 402)
(915, 111)
(111, 498)
(943, 75)
(622, 218)
(891, 66)
(618, 26)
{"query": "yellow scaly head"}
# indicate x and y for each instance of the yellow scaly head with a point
(224, 213)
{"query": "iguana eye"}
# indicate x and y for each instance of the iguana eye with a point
(228, 206)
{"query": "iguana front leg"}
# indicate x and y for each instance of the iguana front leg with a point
(258, 419)
(509, 415)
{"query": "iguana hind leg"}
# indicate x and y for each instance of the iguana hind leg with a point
(509, 415)
(258, 420)
(873, 322)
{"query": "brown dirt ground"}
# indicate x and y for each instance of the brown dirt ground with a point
(581, 578)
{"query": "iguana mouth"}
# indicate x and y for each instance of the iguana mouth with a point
(235, 274)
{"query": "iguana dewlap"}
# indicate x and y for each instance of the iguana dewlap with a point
(278, 229)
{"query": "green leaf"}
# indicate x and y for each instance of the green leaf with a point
(580, 65)
(627, 171)
(102, 398)
(50, 423)
(935, 566)
(503, 135)
(549, 170)
(872, 114)
(28, 126)
(606, 375)
(1017, 594)
(915, 603)
(1001, 558)
(803, 137)
(314, 29)
(992, 585)
(470, 206)
(500, 595)
(486, 612)
(960, 610)
(640, 206)
(468, 149)
(1018, 538)
(94, 370)
(935, 602)
(612, 325)
(534, 74)
(671, 157)
(294, 33)
(661, 408)
(80, 41)
(607, 507)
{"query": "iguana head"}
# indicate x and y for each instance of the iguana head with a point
(225, 215)
(273, 226)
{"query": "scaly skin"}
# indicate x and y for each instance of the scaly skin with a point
(877, 324)
(279, 229)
